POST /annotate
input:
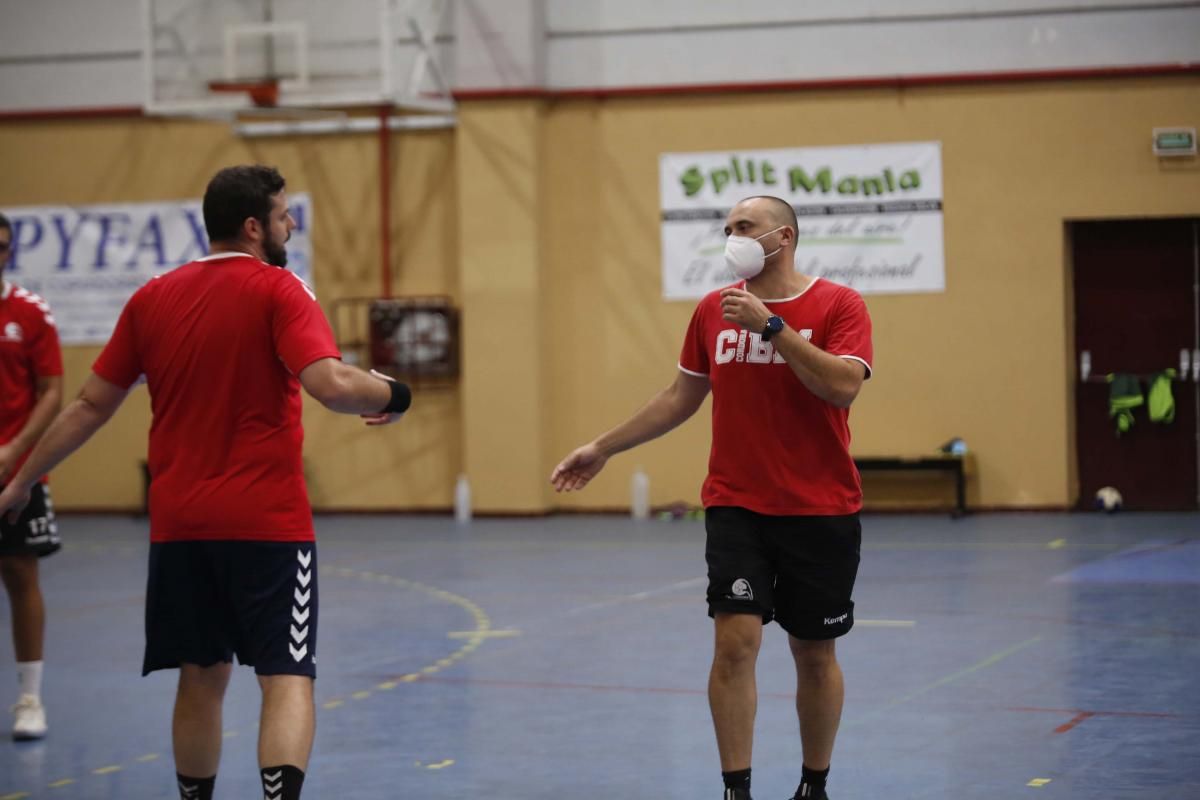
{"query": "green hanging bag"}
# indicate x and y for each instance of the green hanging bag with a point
(1159, 400)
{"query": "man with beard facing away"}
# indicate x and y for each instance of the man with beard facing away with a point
(225, 343)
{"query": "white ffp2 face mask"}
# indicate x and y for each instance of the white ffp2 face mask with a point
(746, 256)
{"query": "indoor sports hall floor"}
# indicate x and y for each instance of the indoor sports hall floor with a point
(997, 656)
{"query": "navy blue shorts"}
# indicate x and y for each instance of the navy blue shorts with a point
(35, 533)
(209, 601)
(799, 571)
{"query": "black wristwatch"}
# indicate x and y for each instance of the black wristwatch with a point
(774, 326)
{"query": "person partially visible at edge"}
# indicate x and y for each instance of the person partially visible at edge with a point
(784, 355)
(225, 344)
(31, 383)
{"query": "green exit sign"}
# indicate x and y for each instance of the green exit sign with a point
(1174, 141)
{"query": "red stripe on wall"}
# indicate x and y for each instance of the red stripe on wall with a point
(762, 87)
(876, 82)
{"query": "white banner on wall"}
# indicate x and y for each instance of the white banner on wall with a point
(870, 217)
(86, 261)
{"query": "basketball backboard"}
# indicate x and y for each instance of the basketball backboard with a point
(298, 54)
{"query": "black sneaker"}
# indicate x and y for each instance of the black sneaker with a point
(798, 796)
(737, 794)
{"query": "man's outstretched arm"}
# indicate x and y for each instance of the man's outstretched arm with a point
(666, 410)
(348, 390)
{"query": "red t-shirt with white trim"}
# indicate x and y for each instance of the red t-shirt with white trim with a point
(220, 342)
(776, 447)
(29, 350)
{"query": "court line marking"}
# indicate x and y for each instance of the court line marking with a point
(1078, 718)
(542, 686)
(504, 634)
(1081, 715)
(699, 581)
(1099, 712)
(1125, 630)
(1038, 782)
(638, 596)
(991, 660)
(987, 545)
(482, 632)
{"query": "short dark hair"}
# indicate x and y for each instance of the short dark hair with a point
(783, 211)
(5, 224)
(236, 194)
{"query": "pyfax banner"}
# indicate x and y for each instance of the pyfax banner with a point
(86, 261)
(870, 217)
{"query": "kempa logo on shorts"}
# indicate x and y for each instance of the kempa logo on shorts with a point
(741, 590)
(836, 620)
(13, 333)
(300, 610)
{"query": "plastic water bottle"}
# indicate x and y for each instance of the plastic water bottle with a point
(462, 500)
(639, 489)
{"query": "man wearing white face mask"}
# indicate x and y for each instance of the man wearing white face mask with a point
(785, 355)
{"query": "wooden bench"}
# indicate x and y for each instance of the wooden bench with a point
(934, 463)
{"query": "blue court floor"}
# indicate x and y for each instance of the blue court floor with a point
(997, 656)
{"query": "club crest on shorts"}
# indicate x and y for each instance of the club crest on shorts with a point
(741, 590)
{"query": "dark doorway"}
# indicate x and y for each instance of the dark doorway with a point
(1136, 312)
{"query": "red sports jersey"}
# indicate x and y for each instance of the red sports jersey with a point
(220, 342)
(776, 447)
(28, 350)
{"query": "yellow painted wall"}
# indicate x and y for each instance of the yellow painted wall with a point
(542, 219)
(410, 465)
(988, 360)
(504, 339)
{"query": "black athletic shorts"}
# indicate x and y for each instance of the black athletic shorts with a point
(35, 533)
(209, 601)
(798, 571)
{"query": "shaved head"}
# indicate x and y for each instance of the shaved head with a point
(779, 211)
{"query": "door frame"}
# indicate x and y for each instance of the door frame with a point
(1074, 500)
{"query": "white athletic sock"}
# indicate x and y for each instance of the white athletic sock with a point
(29, 677)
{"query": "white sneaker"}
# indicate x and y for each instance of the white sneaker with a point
(29, 718)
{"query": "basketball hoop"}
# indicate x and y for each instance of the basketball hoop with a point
(264, 93)
(223, 61)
